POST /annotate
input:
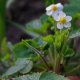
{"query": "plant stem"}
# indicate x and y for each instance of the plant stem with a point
(2, 18)
(51, 57)
(39, 53)
(57, 64)
(63, 47)
(56, 61)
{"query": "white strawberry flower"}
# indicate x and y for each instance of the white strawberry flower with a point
(57, 15)
(63, 21)
(52, 9)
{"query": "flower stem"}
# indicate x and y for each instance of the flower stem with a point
(39, 53)
(51, 56)
(56, 61)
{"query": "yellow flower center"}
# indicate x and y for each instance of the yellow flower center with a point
(62, 20)
(54, 8)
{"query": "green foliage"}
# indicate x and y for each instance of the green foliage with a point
(72, 8)
(2, 18)
(68, 52)
(39, 27)
(27, 68)
(74, 34)
(75, 22)
(9, 3)
(6, 55)
(52, 76)
(34, 76)
(48, 2)
(21, 65)
(49, 39)
(5, 52)
(42, 76)
(21, 50)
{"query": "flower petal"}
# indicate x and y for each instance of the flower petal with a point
(61, 14)
(55, 16)
(68, 18)
(49, 13)
(60, 6)
(49, 7)
(59, 26)
(67, 25)
(58, 14)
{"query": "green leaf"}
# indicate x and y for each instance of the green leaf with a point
(52, 76)
(32, 48)
(27, 68)
(34, 76)
(38, 27)
(22, 61)
(40, 42)
(48, 2)
(75, 22)
(28, 65)
(20, 65)
(74, 34)
(5, 52)
(22, 51)
(13, 70)
(33, 28)
(68, 52)
(49, 39)
(9, 3)
(73, 7)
